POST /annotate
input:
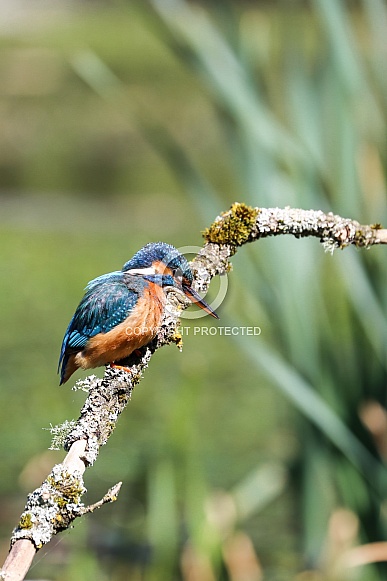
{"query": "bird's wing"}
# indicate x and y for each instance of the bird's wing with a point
(107, 302)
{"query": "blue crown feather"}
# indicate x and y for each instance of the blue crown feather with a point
(159, 251)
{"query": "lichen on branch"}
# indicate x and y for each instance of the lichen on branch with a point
(234, 227)
(243, 224)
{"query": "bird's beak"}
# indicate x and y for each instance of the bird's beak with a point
(197, 299)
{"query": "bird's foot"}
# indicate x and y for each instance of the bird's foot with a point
(121, 367)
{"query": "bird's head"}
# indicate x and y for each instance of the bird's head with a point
(163, 264)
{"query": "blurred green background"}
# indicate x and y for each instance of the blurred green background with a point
(243, 458)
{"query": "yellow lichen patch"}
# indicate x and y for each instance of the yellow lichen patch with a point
(178, 340)
(69, 487)
(60, 501)
(234, 227)
(25, 521)
(73, 491)
(123, 397)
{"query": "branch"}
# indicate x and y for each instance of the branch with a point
(53, 506)
(243, 224)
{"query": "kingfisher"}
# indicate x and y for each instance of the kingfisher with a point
(122, 311)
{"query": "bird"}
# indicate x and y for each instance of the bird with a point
(122, 311)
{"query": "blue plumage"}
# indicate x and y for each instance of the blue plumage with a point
(108, 301)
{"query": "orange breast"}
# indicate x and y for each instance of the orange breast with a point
(137, 330)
